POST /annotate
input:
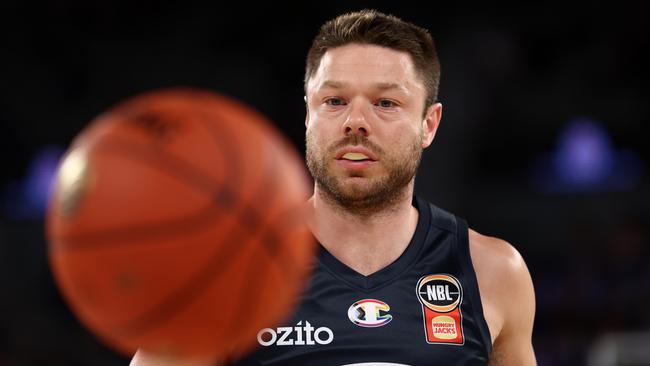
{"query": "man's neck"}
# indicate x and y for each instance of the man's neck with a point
(365, 242)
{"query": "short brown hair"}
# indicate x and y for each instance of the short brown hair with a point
(373, 27)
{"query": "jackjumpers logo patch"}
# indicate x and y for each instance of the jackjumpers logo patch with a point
(369, 313)
(441, 296)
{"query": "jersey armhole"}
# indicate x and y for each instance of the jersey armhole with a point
(465, 259)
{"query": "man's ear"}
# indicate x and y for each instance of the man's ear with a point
(430, 123)
(306, 112)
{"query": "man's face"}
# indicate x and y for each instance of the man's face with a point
(365, 125)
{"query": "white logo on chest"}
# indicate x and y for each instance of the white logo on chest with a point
(295, 336)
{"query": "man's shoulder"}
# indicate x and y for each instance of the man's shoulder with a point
(499, 266)
(495, 253)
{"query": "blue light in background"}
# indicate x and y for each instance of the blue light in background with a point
(584, 154)
(585, 160)
(27, 198)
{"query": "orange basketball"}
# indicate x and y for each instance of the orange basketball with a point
(177, 225)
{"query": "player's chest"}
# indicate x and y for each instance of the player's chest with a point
(412, 321)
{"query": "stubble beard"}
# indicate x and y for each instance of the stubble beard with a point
(381, 192)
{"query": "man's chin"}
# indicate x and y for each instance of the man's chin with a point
(356, 186)
(356, 193)
(358, 190)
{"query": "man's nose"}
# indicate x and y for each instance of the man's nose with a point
(356, 122)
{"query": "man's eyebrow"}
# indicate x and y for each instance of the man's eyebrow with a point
(334, 84)
(391, 86)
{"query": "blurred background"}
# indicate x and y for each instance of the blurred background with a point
(543, 142)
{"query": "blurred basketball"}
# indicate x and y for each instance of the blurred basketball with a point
(176, 225)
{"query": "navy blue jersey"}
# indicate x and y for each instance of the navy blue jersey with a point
(422, 309)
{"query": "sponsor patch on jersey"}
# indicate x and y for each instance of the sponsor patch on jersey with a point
(299, 335)
(441, 296)
(369, 313)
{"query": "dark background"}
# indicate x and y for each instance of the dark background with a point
(543, 140)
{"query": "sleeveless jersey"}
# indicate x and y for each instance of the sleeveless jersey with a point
(422, 309)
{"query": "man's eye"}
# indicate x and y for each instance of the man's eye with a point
(385, 103)
(334, 102)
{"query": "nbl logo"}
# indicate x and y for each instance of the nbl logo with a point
(439, 293)
(441, 296)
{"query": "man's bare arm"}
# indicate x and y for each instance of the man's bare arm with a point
(509, 299)
(513, 345)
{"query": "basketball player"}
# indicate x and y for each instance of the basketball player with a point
(397, 281)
